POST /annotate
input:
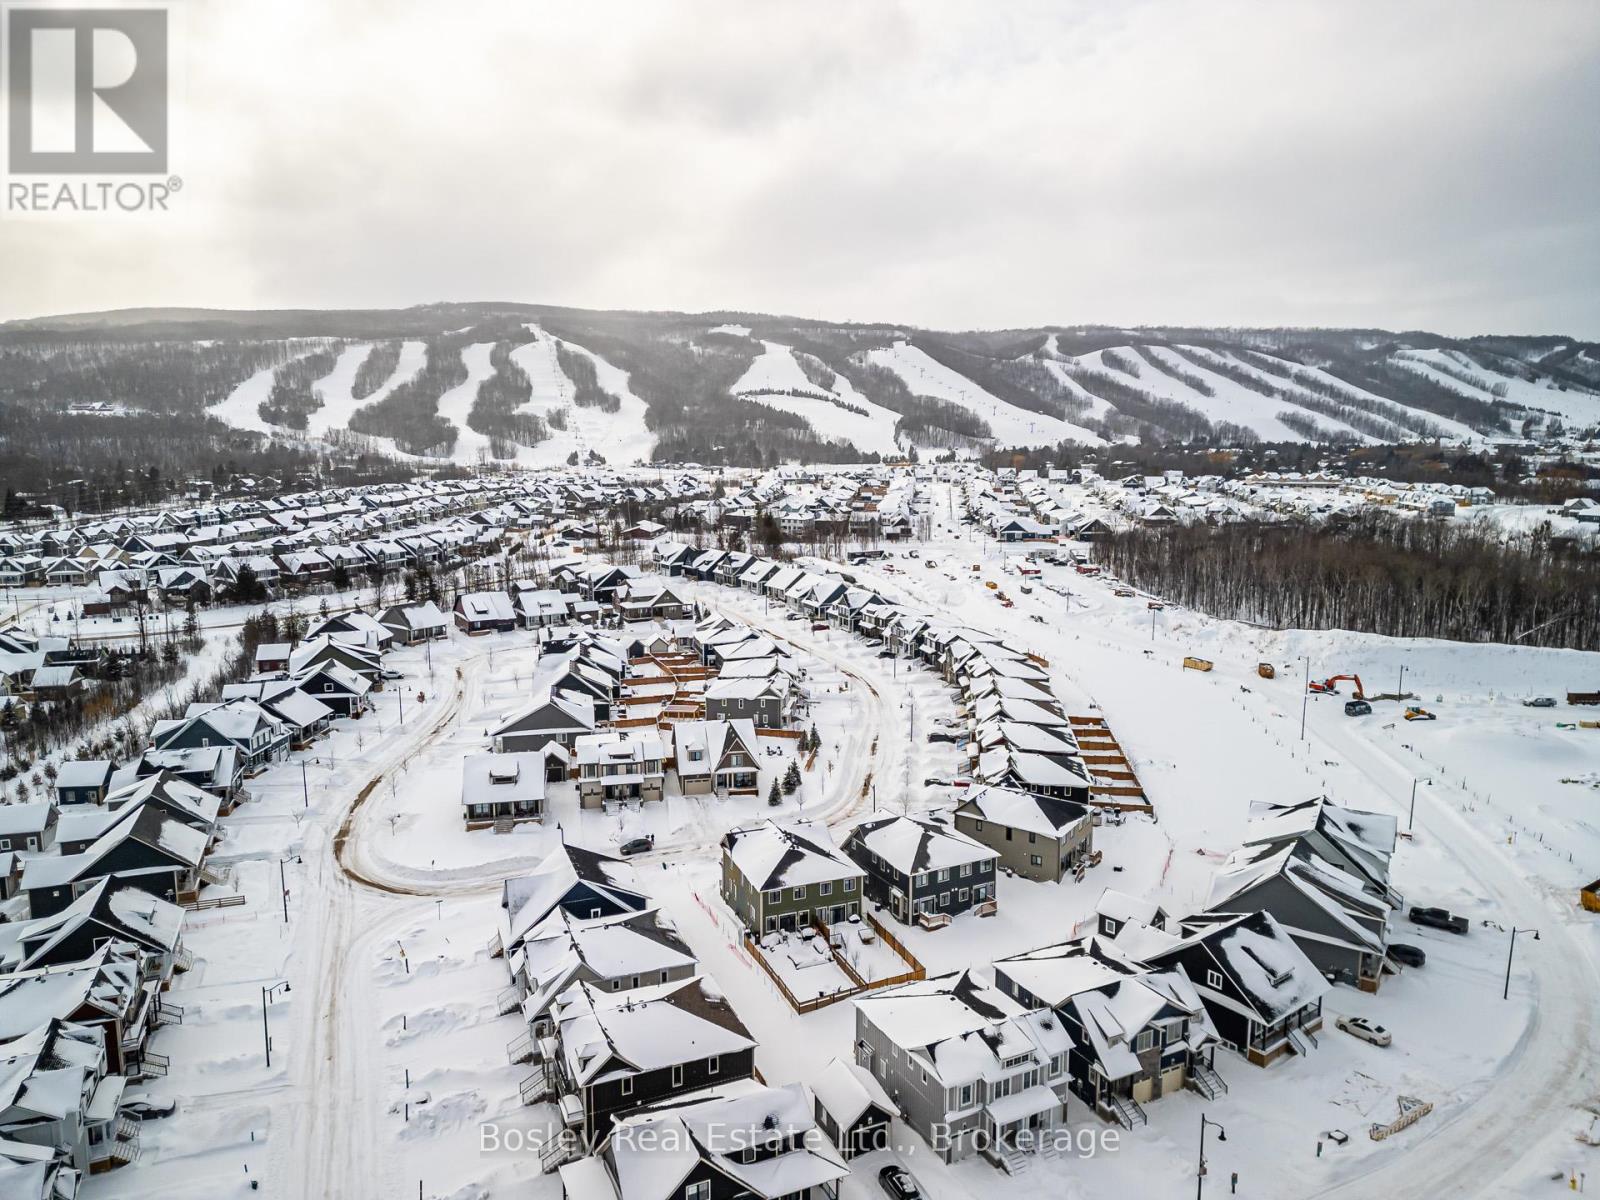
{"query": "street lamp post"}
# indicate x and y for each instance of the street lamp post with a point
(1200, 1175)
(1506, 995)
(283, 885)
(267, 994)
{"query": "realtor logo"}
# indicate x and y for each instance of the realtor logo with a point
(86, 90)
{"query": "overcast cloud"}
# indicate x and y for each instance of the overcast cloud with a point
(1407, 165)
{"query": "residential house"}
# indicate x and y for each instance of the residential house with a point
(785, 875)
(1037, 837)
(28, 826)
(500, 790)
(920, 866)
(485, 612)
(852, 1108)
(410, 624)
(736, 1141)
(716, 756)
(619, 765)
(613, 1053)
(1137, 1034)
(969, 1068)
(559, 719)
(763, 701)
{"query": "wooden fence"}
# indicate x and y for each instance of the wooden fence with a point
(858, 984)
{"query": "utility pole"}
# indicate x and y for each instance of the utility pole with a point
(1506, 994)
(1305, 700)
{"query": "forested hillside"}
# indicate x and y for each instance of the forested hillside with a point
(848, 392)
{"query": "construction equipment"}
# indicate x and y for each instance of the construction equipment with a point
(1190, 663)
(1415, 713)
(1330, 686)
(1266, 670)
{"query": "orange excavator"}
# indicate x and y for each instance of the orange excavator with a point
(1330, 685)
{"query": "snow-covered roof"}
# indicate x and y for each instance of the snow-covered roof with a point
(787, 854)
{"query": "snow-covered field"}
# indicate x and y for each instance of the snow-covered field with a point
(391, 902)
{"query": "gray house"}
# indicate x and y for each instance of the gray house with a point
(761, 700)
(1037, 837)
(1341, 927)
(970, 1069)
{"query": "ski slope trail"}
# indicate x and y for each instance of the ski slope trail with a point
(241, 408)
(776, 379)
(622, 438)
(455, 405)
(339, 405)
(1010, 425)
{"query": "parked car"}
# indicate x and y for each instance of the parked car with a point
(1367, 1031)
(897, 1181)
(885, 653)
(387, 674)
(145, 1109)
(1357, 708)
(1439, 918)
(639, 845)
(820, 627)
(1540, 702)
(1407, 955)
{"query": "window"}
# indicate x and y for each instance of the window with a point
(774, 896)
(663, 977)
(966, 1095)
(712, 1065)
(1112, 927)
(799, 893)
(1145, 1041)
(627, 1085)
(1032, 838)
(966, 869)
(698, 1191)
(944, 899)
(966, 894)
(1035, 860)
(849, 885)
(1214, 980)
(1055, 1066)
(977, 826)
(944, 875)
(677, 1076)
(825, 888)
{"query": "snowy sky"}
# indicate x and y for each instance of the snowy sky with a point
(1414, 165)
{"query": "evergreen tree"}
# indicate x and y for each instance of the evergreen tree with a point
(775, 796)
(791, 778)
